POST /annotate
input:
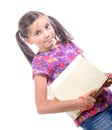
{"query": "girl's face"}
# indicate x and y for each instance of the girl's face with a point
(42, 34)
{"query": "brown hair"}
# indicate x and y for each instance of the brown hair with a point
(26, 20)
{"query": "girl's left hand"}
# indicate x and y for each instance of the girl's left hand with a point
(109, 80)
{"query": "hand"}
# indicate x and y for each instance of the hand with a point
(88, 100)
(109, 80)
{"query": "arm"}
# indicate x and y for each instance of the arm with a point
(45, 105)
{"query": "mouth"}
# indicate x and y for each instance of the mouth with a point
(51, 40)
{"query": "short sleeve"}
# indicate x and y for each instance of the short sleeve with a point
(77, 49)
(41, 66)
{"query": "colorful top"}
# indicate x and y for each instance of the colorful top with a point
(53, 62)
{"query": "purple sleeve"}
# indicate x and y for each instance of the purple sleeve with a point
(78, 49)
(40, 66)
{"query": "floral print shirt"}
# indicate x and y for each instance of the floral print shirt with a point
(53, 62)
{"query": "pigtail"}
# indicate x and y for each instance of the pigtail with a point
(62, 34)
(29, 54)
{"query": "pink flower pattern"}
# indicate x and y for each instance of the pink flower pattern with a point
(53, 62)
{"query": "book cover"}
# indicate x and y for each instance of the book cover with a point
(79, 77)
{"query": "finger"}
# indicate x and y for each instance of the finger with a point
(109, 80)
(109, 74)
(91, 92)
(89, 106)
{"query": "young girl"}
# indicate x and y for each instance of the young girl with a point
(56, 51)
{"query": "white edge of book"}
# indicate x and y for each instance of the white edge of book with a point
(63, 76)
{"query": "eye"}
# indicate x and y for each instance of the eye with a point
(47, 26)
(37, 33)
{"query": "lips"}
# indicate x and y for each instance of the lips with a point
(50, 40)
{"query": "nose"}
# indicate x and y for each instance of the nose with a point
(46, 34)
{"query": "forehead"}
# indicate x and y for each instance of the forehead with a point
(41, 21)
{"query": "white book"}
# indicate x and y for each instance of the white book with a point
(79, 77)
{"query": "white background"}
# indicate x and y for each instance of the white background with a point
(89, 21)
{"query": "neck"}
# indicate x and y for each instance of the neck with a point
(47, 49)
(50, 48)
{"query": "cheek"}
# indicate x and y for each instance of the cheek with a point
(52, 31)
(39, 41)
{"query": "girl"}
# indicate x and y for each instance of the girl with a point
(56, 51)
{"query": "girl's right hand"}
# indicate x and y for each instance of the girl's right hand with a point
(88, 100)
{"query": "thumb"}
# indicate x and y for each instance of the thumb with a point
(91, 92)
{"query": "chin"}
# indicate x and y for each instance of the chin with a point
(50, 47)
(51, 44)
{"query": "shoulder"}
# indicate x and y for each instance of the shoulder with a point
(70, 43)
(40, 65)
(38, 60)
